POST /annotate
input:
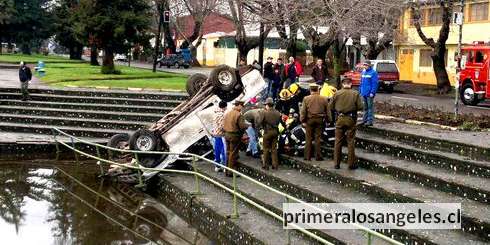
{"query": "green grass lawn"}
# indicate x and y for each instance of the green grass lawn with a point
(62, 72)
(34, 58)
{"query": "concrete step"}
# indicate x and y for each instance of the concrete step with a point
(149, 95)
(95, 100)
(471, 187)
(476, 215)
(319, 182)
(71, 113)
(47, 129)
(445, 160)
(274, 202)
(431, 142)
(86, 106)
(251, 227)
(73, 122)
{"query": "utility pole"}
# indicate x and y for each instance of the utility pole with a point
(459, 21)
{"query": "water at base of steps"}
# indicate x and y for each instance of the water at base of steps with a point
(41, 204)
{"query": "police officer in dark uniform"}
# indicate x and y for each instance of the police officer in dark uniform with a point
(314, 114)
(270, 123)
(346, 102)
(234, 126)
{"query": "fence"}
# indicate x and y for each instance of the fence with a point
(198, 176)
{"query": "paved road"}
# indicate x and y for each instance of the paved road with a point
(443, 104)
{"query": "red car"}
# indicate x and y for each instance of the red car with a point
(388, 74)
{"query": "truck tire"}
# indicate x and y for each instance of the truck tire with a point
(194, 83)
(467, 95)
(143, 140)
(225, 78)
(176, 65)
(117, 141)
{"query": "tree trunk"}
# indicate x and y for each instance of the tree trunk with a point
(337, 62)
(439, 66)
(26, 49)
(76, 52)
(261, 47)
(108, 62)
(372, 54)
(157, 41)
(319, 51)
(293, 40)
(94, 55)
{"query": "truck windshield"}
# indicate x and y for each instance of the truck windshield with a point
(386, 67)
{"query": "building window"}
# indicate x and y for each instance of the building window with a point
(479, 11)
(422, 17)
(425, 59)
(434, 16)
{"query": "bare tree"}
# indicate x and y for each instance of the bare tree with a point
(244, 16)
(439, 50)
(197, 11)
(379, 28)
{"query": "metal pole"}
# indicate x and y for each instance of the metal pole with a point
(98, 162)
(370, 239)
(458, 69)
(198, 186)
(140, 177)
(235, 207)
(74, 152)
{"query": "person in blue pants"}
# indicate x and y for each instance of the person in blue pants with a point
(218, 134)
(368, 89)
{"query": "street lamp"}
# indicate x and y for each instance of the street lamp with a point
(459, 20)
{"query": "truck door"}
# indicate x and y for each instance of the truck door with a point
(480, 67)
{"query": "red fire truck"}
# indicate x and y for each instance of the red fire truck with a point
(474, 77)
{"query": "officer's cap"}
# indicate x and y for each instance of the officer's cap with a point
(269, 101)
(314, 87)
(239, 102)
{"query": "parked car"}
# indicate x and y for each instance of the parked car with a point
(474, 79)
(174, 60)
(388, 74)
(121, 57)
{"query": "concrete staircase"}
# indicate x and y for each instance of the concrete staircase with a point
(392, 170)
(395, 167)
(83, 112)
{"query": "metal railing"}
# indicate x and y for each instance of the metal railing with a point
(194, 158)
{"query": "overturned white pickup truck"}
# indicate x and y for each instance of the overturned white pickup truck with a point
(188, 125)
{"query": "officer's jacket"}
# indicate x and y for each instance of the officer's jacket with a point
(271, 119)
(346, 101)
(314, 106)
(234, 122)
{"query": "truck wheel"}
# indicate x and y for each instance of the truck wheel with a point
(194, 83)
(468, 95)
(224, 78)
(176, 65)
(119, 141)
(143, 140)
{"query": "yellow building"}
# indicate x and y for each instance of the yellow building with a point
(413, 56)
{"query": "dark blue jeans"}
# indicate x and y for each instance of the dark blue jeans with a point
(368, 116)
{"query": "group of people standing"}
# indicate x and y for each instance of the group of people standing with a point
(279, 75)
(316, 110)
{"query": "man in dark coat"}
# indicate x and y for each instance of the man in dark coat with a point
(269, 77)
(25, 77)
(319, 72)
